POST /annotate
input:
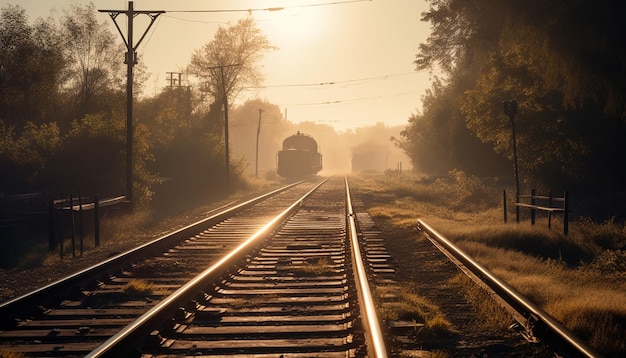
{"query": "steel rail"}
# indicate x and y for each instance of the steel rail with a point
(374, 336)
(45, 292)
(511, 295)
(118, 344)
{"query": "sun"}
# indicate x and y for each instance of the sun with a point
(295, 25)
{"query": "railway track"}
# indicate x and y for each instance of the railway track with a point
(296, 294)
(287, 275)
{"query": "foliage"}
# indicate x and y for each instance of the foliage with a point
(272, 129)
(94, 57)
(562, 62)
(25, 158)
(62, 120)
(229, 62)
(438, 140)
(31, 64)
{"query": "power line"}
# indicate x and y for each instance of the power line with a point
(269, 8)
(196, 21)
(384, 77)
(361, 99)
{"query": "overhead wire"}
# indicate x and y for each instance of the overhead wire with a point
(269, 8)
(330, 83)
(195, 21)
(156, 25)
(361, 99)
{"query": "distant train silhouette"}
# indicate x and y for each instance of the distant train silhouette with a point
(299, 157)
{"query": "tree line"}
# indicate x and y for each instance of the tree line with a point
(62, 109)
(563, 62)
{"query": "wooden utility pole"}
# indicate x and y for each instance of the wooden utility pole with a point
(510, 109)
(258, 132)
(225, 101)
(172, 80)
(130, 61)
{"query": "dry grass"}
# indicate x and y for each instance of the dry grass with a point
(410, 306)
(317, 266)
(138, 287)
(492, 314)
(423, 354)
(9, 354)
(579, 279)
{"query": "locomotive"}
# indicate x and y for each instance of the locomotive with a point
(299, 157)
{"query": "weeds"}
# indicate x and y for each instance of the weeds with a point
(410, 306)
(316, 266)
(137, 287)
(580, 279)
(491, 313)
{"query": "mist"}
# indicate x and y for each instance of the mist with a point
(368, 148)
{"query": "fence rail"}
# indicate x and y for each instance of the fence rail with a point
(61, 211)
(547, 203)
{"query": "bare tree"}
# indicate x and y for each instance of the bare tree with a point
(229, 62)
(93, 54)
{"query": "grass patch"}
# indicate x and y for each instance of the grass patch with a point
(492, 314)
(411, 307)
(580, 279)
(315, 266)
(137, 287)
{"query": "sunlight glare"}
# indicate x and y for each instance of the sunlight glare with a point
(293, 27)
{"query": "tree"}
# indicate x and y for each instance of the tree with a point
(245, 123)
(229, 63)
(31, 63)
(95, 65)
(563, 63)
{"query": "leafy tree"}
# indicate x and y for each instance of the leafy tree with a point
(31, 63)
(273, 129)
(166, 114)
(95, 65)
(25, 159)
(229, 62)
(563, 63)
(438, 141)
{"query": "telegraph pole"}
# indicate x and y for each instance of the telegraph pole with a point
(130, 61)
(225, 101)
(172, 80)
(258, 132)
(510, 109)
(226, 144)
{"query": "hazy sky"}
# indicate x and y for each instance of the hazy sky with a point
(366, 48)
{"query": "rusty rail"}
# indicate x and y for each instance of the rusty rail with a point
(374, 336)
(537, 320)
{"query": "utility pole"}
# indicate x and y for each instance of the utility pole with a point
(226, 144)
(510, 109)
(225, 99)
(172, 80)
(258, 132)
(130, 61)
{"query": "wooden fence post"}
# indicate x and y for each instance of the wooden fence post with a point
(51, 226)
(566, 212)
(550, 212)
(517, 208)
(73, 225)
(80, 221)
(96, 219)
(532, 209)
(504, 204)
